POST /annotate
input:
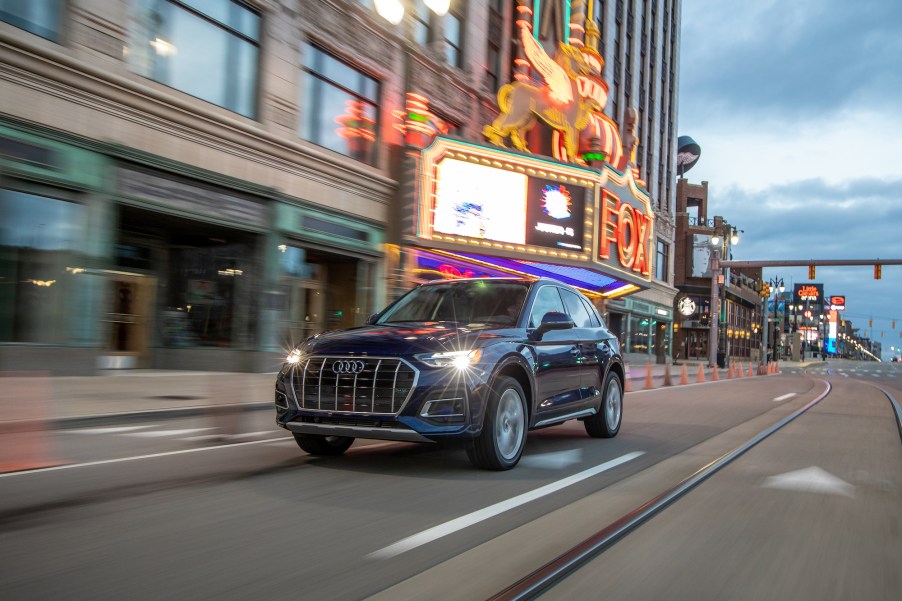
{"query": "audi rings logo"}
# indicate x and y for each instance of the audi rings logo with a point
(348, 366)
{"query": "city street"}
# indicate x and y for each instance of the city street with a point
(172, 508)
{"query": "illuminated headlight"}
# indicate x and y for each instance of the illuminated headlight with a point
(293, 357)
(458, 359)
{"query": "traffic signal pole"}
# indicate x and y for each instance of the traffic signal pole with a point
(718, 265)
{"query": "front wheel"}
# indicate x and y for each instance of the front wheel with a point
(317, 444)
(606, 423)
(503, 435)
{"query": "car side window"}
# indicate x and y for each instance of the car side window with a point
(547, 299)
(576, 309)
(596, 323)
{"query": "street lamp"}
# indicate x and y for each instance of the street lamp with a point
(723, 236)
(775, 284)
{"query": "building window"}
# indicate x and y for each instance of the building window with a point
(422, 28)
(662, 262)
(340, 106)
(453, 32)
(39, 241)
(206, 49)
(40, 17)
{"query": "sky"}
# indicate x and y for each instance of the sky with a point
(797, 107)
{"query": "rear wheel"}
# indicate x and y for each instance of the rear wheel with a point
(503, 435)
(317, 444)
(606, 423)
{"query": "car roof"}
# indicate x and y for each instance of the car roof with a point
(516, 279)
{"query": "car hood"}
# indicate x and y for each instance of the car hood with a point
(403, 339)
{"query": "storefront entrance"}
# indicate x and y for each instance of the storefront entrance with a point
(128, 318)
(304, 314)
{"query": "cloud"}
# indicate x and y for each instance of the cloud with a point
(796, 106)
(804, 59)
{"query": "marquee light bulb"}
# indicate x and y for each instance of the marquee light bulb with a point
(390, 10)
(439, 7)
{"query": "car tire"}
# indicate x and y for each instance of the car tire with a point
(317, 444)
(500, 444)
(606, 423)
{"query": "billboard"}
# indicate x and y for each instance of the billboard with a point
(483, 202)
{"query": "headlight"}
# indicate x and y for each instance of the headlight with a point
(293, 357)
(458, 359)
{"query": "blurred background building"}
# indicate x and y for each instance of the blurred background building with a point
(698, 237)
(199, 185)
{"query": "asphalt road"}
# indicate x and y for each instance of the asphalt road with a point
(183, 514)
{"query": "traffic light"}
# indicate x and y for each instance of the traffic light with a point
(811, 272)
(870, 323)
(878, 271)
(894, 324)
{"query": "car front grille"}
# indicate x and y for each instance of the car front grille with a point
(354, 384)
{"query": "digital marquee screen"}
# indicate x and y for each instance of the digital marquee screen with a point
(483, 202)
(555, 214)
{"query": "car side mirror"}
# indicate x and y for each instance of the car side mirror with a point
(554, 320)
(371, 319)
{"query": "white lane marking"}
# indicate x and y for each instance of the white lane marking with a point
(784, 397)
(112, 430)
(436, 532)
(161, 433)
(135, 458)
(811, 479)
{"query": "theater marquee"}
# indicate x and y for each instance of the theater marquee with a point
(538, 213)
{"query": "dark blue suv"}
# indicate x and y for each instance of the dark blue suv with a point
(477, 360)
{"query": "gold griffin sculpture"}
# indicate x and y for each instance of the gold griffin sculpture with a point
(557, 103)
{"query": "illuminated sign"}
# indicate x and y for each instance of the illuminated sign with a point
(626, 230)
(480, 202)
(838, 303)
(811, 293)
(554, 214)
(686, 306)
(491, 204)
(504, 206)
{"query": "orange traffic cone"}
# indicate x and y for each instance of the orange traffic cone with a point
(648, 382)
(776, 367)
(714, 376)
(627, 387)
(25, 442)
(730, 373)
(701, 374)
(684, 375)
(667, 381)
(750, 369)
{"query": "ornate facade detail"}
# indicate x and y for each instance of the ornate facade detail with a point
(349, 33)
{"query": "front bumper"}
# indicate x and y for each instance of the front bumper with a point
(433, 386)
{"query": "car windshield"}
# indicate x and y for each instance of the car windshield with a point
(477, 301)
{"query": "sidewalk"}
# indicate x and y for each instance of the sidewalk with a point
(76, 401)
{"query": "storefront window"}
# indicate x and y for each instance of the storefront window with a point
(212, 295)
(39, 267)
(639, 338)
(322, 291)
(340, 106)
(208, 49)
(40, 17)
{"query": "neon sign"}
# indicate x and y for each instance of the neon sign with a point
(627, 228)
(809, 292)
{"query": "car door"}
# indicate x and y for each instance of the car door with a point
(596, 343)
(557, 360)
